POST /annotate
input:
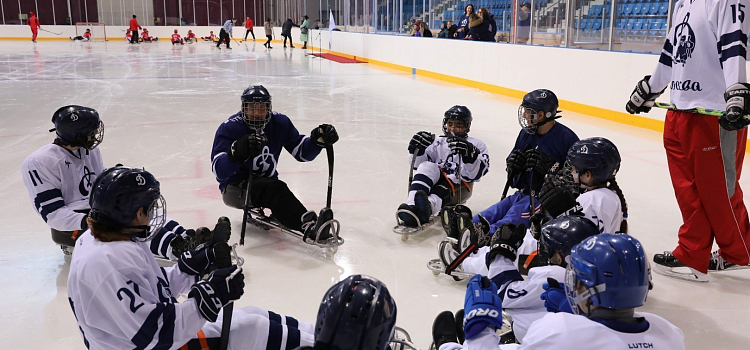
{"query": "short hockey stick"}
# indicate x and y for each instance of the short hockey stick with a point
(699, 110)
(44, 30)
(223, 254)
(246, 208)
(329, 153)
(411, 170)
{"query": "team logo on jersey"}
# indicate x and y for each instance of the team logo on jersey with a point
(140, 180)
(67, 163)
(684, 38)
(265, 163)
(85, 183)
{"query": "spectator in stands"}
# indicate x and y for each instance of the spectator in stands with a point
(416, 30)
(488, 23)
(425, 31)
(463, 22)
(476, 25)
(449, 28)
(524, 23)
(268, 27)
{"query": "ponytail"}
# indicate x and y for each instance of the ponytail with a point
(616, 189)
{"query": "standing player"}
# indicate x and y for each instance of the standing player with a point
(134, 26)
(249, 28)
(252, 140)
(226, 32)
(122, 299)
(176, 39)
(607, 277)
(33, 22)
(703, 55)
(59, 176)
(437, 161)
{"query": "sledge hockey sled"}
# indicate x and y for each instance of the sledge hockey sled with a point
(451, 268)
(258, 218)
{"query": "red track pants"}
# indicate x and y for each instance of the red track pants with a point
(705, 163)
(34, 32)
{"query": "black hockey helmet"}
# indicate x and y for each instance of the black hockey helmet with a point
(561, 234)
(357, 313)
(78, 126)
(596, 154)
(461, 113)
(252, 98)
(119, 192)
(541, 100)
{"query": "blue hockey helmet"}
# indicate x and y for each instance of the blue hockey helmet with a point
(357, 313)
(256, 97)
(596, 154)
(461, 113)
(613, 270)
(540, 100)
(119, 192)
(78, 126)
(562, 233)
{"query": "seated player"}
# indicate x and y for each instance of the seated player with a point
(176, 39)
(128, 36)
(86, 36)
(146, 37)
(58, 177)
(436, 182)
(253, 139)
(122, 299)
(211, 37)
(521, 298)
(607, 278)
(190, 38)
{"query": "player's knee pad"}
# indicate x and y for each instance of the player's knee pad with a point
(234, 196)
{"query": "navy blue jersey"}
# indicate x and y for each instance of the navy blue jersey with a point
(280, 132)
(555, 144)
(463, 22)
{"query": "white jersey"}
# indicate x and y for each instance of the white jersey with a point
(59, 181)
(123, 300)
(439, 152)
(522, 298)
(704, 52)
(603, 207)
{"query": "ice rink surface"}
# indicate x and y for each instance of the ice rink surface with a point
(161, 106)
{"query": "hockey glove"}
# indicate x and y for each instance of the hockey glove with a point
(506, 241)
(464, 148)
(420, 141)
(324, 135)
(536, 222)
(222, 287)
(197, 261)
(516, 162)
(555, 299)
(737, 97)
(482, 306)
(557, 200)
(247, 147)
(642, 98)
(540, 162)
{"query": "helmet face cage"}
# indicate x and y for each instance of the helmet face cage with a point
(467, 126)
(460, 113)
(569, 178)
(252, 109)
(157, 217)
(571, 284)
(528, 119)
(94, 138)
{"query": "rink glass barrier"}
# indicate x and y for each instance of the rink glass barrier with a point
(611, 25)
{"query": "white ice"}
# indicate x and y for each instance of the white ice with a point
(161, 105)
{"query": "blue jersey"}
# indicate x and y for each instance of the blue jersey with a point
(554, 144)
(279, 132)
(463, 22)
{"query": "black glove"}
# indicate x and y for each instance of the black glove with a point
(506, 241)
(737, 97)
(536, 222)
(324, 135)
(222, 287)
(557, 200)
(420, 141)
(464, 148)
(642, 98)
(197, 261)
(247, 147)
(516, 162)
(539, 161)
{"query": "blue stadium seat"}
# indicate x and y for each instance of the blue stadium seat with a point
(653, 9)
(645, 7)
(629, 9)
(664, 8)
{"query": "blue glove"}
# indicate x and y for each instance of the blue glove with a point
(195, 262)
(555, 298)
(482, 306)
(222, 287)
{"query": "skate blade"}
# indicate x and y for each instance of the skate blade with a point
(258, 218)
(684, 273)
(402, 229)
(437, 267)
